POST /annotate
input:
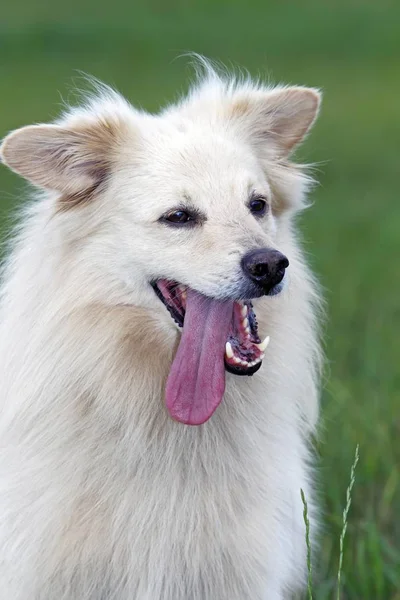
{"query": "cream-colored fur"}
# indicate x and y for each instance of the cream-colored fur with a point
(102, 495)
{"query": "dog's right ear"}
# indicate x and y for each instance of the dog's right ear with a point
(67, 160)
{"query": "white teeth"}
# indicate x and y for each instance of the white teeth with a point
(263, 344)
(236, 360)
(247, 330)
(228, 350)
(245, 323)
(244, 311)
(256, 361)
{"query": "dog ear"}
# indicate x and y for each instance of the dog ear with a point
(280, 118)
(67, 160)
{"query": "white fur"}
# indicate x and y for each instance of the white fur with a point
(102, 495)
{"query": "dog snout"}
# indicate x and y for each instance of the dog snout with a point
(265, 267)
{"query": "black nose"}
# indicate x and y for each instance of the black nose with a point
(265, 266)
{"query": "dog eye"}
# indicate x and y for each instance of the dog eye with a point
(183, 217)
(178, 217)
(258, 207)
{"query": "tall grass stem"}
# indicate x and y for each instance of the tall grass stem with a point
(345, 517)
(307, 524)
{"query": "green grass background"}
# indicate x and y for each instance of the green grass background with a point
(350, 49)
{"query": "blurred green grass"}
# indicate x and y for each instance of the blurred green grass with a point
(352, 234)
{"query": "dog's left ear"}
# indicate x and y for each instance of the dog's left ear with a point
(278, 118)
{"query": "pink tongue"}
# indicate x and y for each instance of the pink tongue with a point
(196, 382)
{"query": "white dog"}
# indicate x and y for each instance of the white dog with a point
(136, 463)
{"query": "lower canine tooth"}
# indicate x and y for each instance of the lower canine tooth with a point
(244, 311)
(263, 344)
(245, 323)
(228, 350)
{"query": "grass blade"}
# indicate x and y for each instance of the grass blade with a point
(345, 515)
(307, 524)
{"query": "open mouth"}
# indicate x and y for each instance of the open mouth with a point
(217, 336)
(244, 350)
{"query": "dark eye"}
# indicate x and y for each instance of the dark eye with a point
(179, 217)
(258, 206)
(183, 216)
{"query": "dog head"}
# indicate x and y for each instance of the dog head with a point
(188, 207)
